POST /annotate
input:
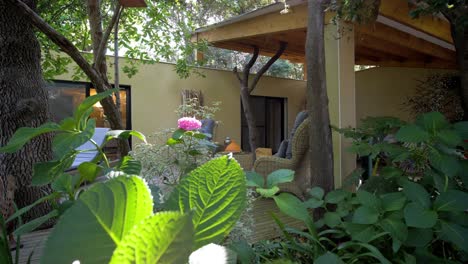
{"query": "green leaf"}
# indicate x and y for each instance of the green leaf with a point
(328, 258)
(456, 234)
(452, 200)
(27, 208)
(393, 201)
(409, 259)
(64, 143)
(462, 129)
(33, 224)
(63, 183)
(432, 121)
(291, 205)
(396, 228)
(418, 216)
(172, 142)
(199, 135)
(279, 176)
(365, 215)
(68, 124)
(46, 172)
(89, 171)
(332, 219)
(360, 232)
(418, 237)
(416, 193)
(5, 254)
(336, 196)
(102, 216)
(254, 179)
(244, 251)
(449, 137)
(268, 193)
(313, 203)
(447, 164)
(368, 199)
(165, 237)
(412, 134)
(129, 165)
(124, 135)
(82, 111)
(391, 172)
(317, 193)
(216, 191)
(212, 253)
(178, 134)
(25, 134)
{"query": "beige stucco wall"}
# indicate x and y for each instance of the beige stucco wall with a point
(155, 94)
(382, 91)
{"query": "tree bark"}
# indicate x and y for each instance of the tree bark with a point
(100, 83)
(320, 139)
(246, 90)
(460, 40)
(23, 103)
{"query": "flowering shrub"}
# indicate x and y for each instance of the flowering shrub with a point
(189, 123)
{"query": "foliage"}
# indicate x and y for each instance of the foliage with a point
(193, 108)
(452, 9)
(440, 93)
(268, 187)
(357, 11)
(426, 219)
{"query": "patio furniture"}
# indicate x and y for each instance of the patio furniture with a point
(99, 137)
(297, 163)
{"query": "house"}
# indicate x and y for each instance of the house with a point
(404, 50)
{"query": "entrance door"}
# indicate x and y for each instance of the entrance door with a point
(269, 113)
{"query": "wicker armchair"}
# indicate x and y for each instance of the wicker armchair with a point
(298, 162)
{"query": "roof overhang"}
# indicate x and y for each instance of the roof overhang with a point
(394, 40)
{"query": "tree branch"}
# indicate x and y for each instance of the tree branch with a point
(57, 38)
(101, 50)
(237, 74)
(282, 48)
(249, 65)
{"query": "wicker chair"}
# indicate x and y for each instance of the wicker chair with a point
(298, 162)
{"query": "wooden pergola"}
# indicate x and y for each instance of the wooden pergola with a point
(395, 40)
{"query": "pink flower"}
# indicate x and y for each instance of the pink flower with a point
(189, 123)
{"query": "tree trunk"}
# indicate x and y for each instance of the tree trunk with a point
(460, 40)
(23, 103)
(320, 139)
(250, 118)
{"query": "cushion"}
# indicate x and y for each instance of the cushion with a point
(282, 149)
(207, 127)
(301, 116)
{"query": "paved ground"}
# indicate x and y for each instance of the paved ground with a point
(33, 244)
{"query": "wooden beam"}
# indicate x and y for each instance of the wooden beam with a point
(435, 64)
(399, 10)
(365, 41)
(396, 37)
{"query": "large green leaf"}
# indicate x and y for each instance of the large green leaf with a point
(462, 129)
(328, 258)
(98, 220)
(46, 172)
(396, 228)
(416, 193)
(5, 254)
(124, 134)
(418, 216)
(452, 200)
(254, 179)
(279, 176)
(24, 134)
(336, 196)
(268, 193)
(216, 192)
(87, 104)
(419, 237)
(393, 201)
(449, 137)
(89, 171)
(291, 205)
(317, 193)
(432, 121)
(64, 143)
(456, 234)
(165, 237)
(447, 164)
(332, 219)
(129, 165)
(365, 215)
(412, 134)
(360, 232)
(368, 199)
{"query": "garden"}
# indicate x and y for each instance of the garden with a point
(178, 196)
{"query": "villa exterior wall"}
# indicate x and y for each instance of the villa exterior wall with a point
(156, 93)
(382, 91)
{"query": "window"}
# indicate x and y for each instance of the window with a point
(269, 113)
(65, 96)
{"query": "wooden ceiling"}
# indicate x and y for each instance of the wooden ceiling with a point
(376, 44)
